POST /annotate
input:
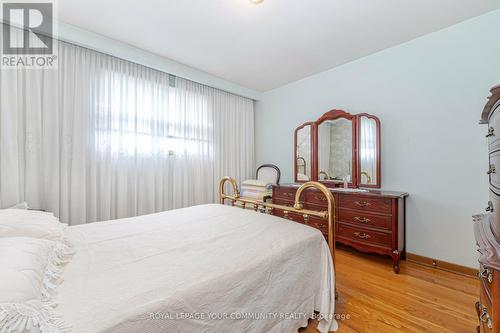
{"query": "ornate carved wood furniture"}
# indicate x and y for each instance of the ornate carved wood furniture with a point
(371, 221)
(487, 226)
(343, 148)
(488, 306)
(339, 146)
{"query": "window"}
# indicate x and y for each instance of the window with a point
(147, 116)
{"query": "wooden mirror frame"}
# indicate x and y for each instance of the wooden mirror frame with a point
(379, 149)
(356, 167)
(311, 150)
(333, 115)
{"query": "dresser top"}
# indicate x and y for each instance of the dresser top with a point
(372, 192)
(488, 246)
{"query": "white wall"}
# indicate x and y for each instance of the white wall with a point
(429, 94)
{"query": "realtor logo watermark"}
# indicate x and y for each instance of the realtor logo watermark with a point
(27, 31)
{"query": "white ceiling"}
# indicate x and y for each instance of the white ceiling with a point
(265, 46)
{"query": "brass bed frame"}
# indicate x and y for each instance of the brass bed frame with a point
(297, 208)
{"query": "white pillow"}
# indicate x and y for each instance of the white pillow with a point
(30, 223)
(30, 271)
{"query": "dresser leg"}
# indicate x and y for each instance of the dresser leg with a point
(396, 256)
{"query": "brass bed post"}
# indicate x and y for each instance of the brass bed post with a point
(297, 208)
(331, 210)
(234, 185)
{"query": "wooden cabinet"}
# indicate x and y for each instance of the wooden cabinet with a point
(488, 306)
(372, 221)
(487, 226)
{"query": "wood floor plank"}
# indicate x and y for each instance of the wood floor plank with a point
(419, 299)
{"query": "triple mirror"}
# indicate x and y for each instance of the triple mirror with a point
(339, 148)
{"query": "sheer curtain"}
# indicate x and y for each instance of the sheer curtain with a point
(102, 138)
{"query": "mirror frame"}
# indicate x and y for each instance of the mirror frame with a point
(311, 152)
(333, 115)
(356, 167)
(379, 149)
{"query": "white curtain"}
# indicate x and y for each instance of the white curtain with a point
(103, 138)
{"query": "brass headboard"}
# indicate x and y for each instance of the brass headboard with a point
(297, 208)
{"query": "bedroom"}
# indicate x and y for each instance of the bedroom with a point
(352, 144)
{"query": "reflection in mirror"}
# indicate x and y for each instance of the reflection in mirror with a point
(335, 150)
(303, 158)
(368, 151)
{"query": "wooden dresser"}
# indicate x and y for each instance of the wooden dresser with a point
(371, 221)
(488, 309)
(487, 226)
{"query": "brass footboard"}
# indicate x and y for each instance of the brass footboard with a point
(297, 208)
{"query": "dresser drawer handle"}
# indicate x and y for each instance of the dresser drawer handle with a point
(485, 317)
(361, 235)
(320, 197)
(490, 207)
(478, 307)
(486, 274)
(362, 203)
(491, 170)
(491, 132)
(362, 219)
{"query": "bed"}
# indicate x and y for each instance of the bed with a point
(208, 268)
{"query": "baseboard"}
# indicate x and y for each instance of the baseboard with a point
(441, 264)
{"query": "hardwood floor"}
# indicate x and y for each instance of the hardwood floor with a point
(419, 299)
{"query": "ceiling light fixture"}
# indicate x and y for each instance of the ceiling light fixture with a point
(256, 1)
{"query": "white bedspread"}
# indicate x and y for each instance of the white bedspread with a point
(184, 270)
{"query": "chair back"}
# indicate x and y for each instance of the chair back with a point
(269, 173)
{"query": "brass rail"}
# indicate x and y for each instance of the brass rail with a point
(297, 208)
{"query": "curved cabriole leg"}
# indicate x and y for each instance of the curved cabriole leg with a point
(396, 256)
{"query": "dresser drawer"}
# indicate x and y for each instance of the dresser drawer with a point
(365, 219)
(321, 225)
(315, 198)
(495, 214)
(282, 201)
(494, 130)
(494, 171)
(484, 317)
(291, 216)
(284, 193)
(485, 312)
(487, 278)
(364, 235)
(365, 203)
(315, 207)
